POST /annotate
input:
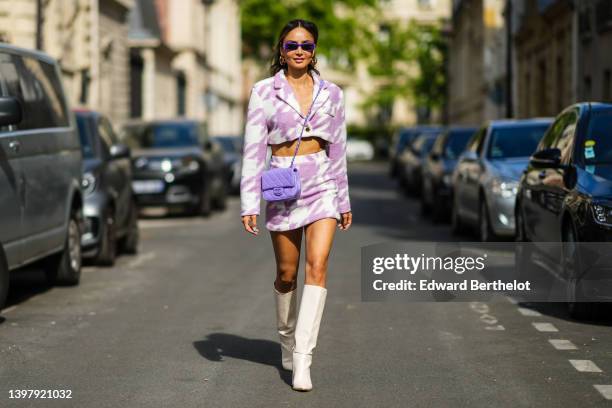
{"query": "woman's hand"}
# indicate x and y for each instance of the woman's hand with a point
(250, 223)
(347, 219)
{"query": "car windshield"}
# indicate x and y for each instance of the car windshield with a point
(457, 140)
(87, 145)
(161, 135)
(405, 137)
(515, 141)
(423, 143)
(229, 144)
(597, 146)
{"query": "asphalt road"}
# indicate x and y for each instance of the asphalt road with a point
(189, 322)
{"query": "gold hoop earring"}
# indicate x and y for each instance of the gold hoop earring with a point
(313, 61)
(282, 60)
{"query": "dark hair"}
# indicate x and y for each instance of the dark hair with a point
(308, 26)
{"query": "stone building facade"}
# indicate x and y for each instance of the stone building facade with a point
(544, 47)
(90, 40)
(477, 64)
(593, 59)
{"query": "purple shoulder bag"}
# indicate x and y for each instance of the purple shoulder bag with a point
(283, 183)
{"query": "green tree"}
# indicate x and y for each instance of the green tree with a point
(341, 23)
(408, 61)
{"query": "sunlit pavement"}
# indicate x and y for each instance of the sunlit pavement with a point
(189, 322)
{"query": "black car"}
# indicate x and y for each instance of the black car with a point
(176, 164)
(232, 153)
(402, 139)
(411, 161)
(110, 209)
(40, 170)
(437, 189)
(565, 195)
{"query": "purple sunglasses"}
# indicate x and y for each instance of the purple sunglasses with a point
(292, 46)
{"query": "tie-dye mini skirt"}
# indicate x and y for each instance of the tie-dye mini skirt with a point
(318, 199)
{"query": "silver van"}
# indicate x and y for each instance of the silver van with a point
(40, 170)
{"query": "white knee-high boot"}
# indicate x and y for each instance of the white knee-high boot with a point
(286, 304)
(306, 332)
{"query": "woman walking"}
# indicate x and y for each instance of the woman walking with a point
(302, 117)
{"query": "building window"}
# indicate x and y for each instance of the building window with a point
(181, 94)
(426, 4)
(587, 87)
(85, 80)
(560, 85)
(607, 87)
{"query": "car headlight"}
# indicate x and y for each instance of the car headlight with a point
(89, 183)
(166, 165)
(504, 188)
(602, 214)
(447, 179)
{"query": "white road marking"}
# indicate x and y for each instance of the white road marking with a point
(169, 223)
(512, 300)
(8, 309)
(545, 327)
(528, 312)
(498, 327)
(560, 344)
(585, 366)
(605, 390)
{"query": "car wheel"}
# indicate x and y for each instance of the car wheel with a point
(204, 206)
(523, 249)
(571, 264)
(485, 231)
(4, 281)
(65, 268)
(129, 244)
(437, 215)
(221, 200)
(457, 226)
(108, 242)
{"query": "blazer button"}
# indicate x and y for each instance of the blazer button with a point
(308, 128)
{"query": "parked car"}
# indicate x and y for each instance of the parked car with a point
(486, 178)
(357, 149)
(399, 141)
(412, 159)
(110, 209)
(437, 189)
(232, 154)
(565, 195)
(176, 164)
(40, 170)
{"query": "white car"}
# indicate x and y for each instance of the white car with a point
(357, 149)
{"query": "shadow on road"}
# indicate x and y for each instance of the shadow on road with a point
(216, 346)
(559, 310)
(24, 284)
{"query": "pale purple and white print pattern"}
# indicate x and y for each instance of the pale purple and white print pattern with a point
(274, 117)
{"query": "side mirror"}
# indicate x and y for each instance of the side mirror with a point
(207, 145)
(10, 111)
(469, 156)
(546, 158)
(120, 151)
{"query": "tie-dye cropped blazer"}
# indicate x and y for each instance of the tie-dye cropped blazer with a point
(274, 116)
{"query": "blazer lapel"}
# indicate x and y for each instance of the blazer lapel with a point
(323, 95)
(286, 94)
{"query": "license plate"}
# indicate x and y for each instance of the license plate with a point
(148, 186)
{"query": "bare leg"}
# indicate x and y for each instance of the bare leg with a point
(287, 246)
(319, 239)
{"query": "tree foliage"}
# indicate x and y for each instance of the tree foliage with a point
(341, 26)
(408, 61)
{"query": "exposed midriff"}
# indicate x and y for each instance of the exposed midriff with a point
(311, 144)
